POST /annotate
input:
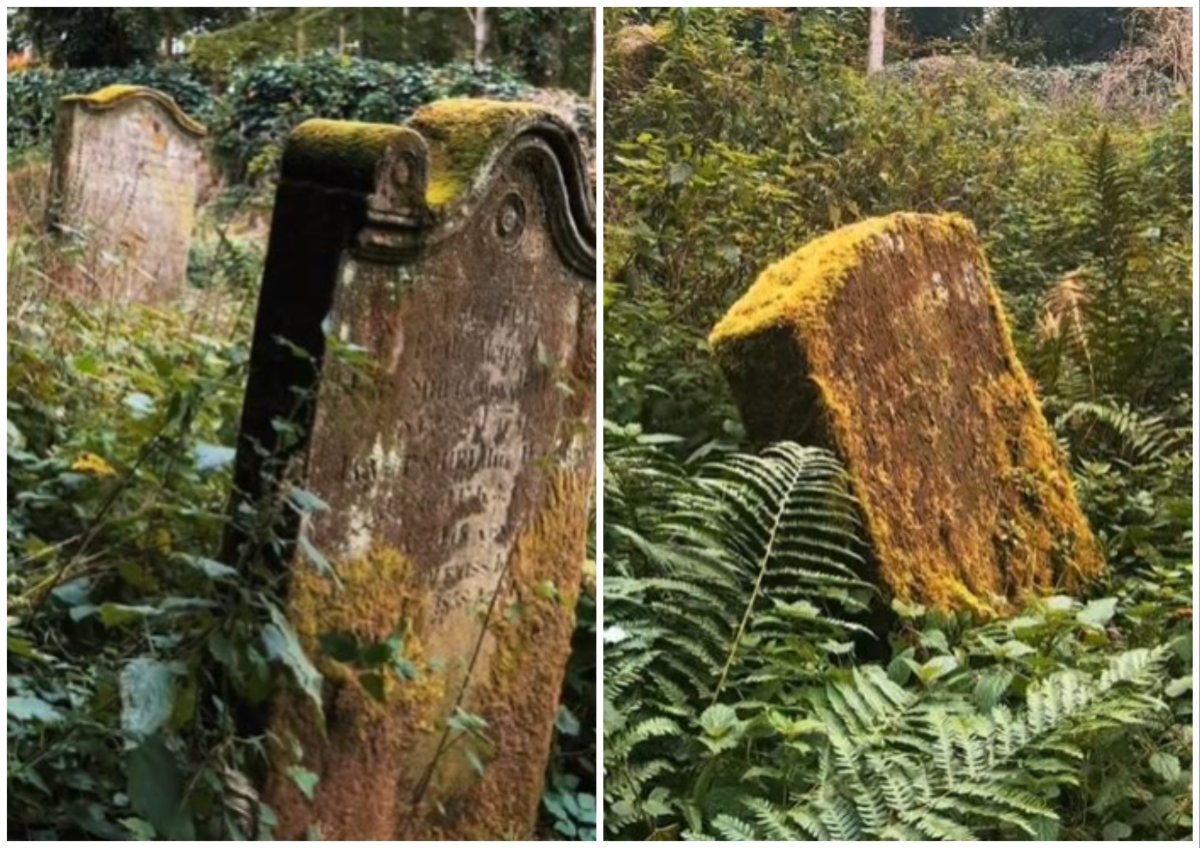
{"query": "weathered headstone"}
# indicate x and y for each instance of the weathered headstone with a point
(124, 175)
(885, 342)
(434, 284)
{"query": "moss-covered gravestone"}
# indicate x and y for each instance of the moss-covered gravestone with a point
(124, 178)
(423, 364)
(885, 342)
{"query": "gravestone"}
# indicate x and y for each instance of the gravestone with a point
(426, 331)
(124, 177)
(885, 342)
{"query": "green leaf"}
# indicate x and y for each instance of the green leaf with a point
(147, 696)
(935, 640)
(305, 780)
(565, 721)
(1097, 613)
(114, 615)
(210, 567)
(342, 647)
(1013, 649)
(139, 829)
(1178, 686)
(74, 592)
(156, 788)
(139, 404)
(1116, 831)
(718, 720)
(373, 684)
(212, 457)
(1165, 766)
(29, 708)
(306, 501)
(475, 762)
(318, 559)
(936, 668)
(991, 688)
(282, 644)
(679, 173)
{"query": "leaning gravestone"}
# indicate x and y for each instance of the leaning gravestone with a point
(885, 342)
(124, 176)
(423, 364)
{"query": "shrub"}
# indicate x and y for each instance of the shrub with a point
(33, 95)
(263, 102)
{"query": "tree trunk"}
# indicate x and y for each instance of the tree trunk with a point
(480, 20)
(592, 82)
(875, 49)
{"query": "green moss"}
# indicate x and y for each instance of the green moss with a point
(462, 135)
(113, 96)
(344, 152)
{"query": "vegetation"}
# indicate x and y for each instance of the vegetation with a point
(134, 651)
(756, 685)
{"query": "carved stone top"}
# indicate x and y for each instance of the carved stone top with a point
(425, 179)
(118, 96)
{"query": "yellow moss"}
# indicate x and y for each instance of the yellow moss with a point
(462, 135)
(524, 673)
(112, 96)
(909, 392)
(319, 148)
(794, 291)
(376, 599)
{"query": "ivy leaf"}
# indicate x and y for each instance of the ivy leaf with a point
(210, 567)
(283, 645)
(147, 698)
(29, 708)
(565, 722)
(212, 457)
(305, 780)
(74, 592)
(156, 789)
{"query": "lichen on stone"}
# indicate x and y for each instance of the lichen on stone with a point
(112, 96)
(886, 342)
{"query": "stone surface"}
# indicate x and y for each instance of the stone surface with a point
(885, 342)
(438, 279)
(124, 178)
